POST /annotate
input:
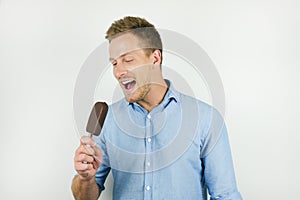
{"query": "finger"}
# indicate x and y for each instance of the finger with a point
(98, 157)
(97, 151)
(97, 162)
(84, 149)
(82, 167)
(89, 150)
(85, 140)
(84, 158)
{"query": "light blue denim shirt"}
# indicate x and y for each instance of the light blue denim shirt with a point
(177, 151)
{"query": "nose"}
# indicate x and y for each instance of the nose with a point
(120, 70)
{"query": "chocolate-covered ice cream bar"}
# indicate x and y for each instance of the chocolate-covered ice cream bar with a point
(97, 118)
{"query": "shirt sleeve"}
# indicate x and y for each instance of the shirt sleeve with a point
(218, 166)
(101, 175)
(104, 169)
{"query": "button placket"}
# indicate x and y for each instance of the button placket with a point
(148, 165)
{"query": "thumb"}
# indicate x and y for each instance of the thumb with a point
(86, 140)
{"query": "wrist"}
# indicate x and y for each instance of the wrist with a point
(87, 180)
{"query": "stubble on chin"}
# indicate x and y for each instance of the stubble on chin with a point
(138, 95)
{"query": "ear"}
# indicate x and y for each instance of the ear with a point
(156, 57)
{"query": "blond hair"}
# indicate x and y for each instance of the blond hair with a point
(139, 27)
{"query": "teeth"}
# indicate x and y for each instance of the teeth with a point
(126, 82)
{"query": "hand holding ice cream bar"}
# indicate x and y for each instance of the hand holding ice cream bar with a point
(97, 118)
(88, 156)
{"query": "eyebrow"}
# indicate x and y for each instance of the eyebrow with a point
(124, 54)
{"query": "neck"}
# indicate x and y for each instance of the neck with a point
(155, 96)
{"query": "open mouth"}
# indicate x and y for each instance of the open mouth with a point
(128, 84)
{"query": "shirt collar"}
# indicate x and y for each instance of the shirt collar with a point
(171, 94)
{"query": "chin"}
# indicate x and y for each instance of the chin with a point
(130, 98)
(135, 96)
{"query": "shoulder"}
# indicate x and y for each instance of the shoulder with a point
(113, 108)
(196, 103)
(206, 114)
(117, 106)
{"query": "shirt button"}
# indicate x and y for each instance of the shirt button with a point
(149, 139)
(148, 164)
(147, 187)
(149, 116)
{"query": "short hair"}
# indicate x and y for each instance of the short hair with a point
(139, 27)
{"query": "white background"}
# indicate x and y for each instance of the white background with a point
(255, 46)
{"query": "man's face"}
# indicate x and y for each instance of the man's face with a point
(131, 66)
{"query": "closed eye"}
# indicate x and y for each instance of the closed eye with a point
(128, 59)
(114, 63)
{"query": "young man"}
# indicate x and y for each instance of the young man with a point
(158, 143)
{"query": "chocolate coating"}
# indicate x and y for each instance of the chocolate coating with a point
(97, 118)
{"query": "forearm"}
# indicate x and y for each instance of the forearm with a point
(85, 190)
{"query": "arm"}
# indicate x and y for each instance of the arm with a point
(219, 172)
(84, 189)
(88, 158)
(218, 166)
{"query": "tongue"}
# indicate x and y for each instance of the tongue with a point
(130, 85)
